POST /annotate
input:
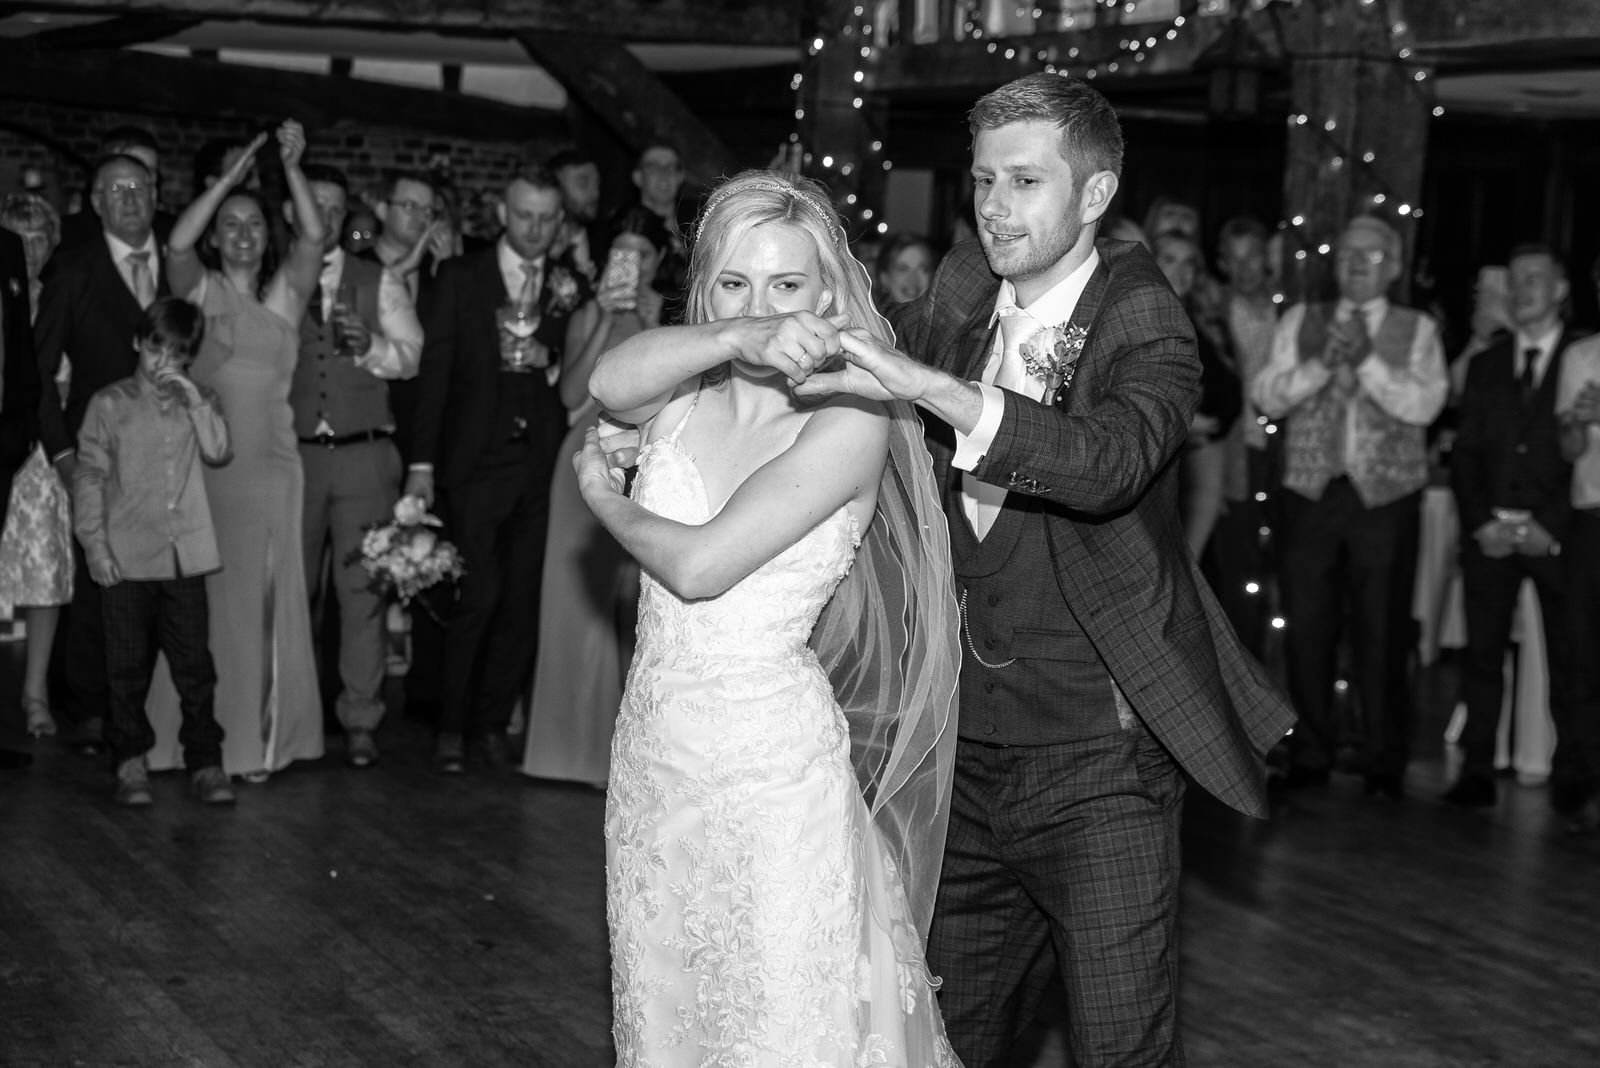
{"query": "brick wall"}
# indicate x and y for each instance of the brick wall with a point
(46, 136)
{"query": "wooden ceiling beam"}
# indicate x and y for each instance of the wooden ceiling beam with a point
(113, 32)
(137, 81)
(629, 99)
(752, 22)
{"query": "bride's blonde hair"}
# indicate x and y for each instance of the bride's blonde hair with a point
(756, 198)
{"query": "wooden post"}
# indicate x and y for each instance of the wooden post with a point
(1357, 137)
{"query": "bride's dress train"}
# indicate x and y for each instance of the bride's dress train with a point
(755, 917)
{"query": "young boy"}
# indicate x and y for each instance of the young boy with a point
(141, 513)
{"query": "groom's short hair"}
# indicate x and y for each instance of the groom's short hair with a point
(1091, 134)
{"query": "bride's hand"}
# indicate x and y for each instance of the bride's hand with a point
(871, 370)
(794, 343)
(595, 473)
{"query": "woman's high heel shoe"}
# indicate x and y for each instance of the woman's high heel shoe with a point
(41, 724)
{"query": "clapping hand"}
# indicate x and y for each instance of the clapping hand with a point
(240, 162)
(291, 143)
(1348, 344)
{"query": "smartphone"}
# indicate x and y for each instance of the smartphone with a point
(622, 273)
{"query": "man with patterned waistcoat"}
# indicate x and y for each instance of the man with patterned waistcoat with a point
(342, 416)
(1357, 381)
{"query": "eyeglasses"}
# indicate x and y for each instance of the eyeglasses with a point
(1371, 256)
(129, 190)
(411, 207)
(661, 168)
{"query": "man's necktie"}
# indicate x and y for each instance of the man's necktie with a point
(980, 500)
(1530, 360)
(144, 286)
(530, 283)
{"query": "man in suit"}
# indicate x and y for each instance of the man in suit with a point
(141, 145)
(1513, 491)
(342, 417)
(1098, 668)
(91, 298)
(489, 422)
(580, 241)
(19, 388)
(1358, 381)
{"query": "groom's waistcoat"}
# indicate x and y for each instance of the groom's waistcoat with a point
(1056, 689)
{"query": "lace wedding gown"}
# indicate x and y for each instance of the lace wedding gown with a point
(755, 918)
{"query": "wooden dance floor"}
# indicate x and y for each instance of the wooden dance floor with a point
(395, 918)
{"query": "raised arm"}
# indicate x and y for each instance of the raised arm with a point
(182, 262)
(835, 462)
(299, 275)
(636, 379)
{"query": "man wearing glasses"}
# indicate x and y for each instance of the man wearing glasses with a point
(1358, 382)
(92, 296)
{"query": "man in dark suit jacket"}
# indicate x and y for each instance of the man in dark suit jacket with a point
(489, 422)
(1513, 492)
(93, 293)
(1099, 667)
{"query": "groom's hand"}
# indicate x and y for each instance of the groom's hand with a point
(872, 370)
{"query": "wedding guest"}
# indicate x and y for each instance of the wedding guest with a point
(342, 417)
(580, 241)
(1578, 402)
(658, 176)
(141, 145)
(90, 298)
(268, 699)
(1204, 457)
(36, 546)
(1357, 383)
(590, 586)
(1238, 558)
(1513, 491)
(144, 518)
(489, 420)
(905, 266)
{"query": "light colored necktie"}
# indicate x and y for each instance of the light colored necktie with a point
(144, 286)
(530, 283)
(979, 500)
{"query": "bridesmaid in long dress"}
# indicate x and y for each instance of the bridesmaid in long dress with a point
(590, 586)
(267, 696)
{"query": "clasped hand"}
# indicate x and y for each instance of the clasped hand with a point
(1348, 344)
(1500, 538)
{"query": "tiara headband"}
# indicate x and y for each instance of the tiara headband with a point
(823, 211)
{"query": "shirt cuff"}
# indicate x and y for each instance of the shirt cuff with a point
(424, 469)
(972, 448)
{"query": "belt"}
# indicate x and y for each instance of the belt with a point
(333, 441)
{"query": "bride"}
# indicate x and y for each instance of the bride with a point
(781, 767)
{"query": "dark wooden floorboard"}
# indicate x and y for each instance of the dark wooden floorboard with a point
(394, 918)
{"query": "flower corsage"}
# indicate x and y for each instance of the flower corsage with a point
(1052, 355)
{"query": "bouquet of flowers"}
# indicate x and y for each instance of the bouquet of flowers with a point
(405, 556)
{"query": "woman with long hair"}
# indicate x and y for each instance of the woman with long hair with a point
(768, 901)
(221, 255)
(590, 586)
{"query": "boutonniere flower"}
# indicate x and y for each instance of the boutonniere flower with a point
(562, 291)
(1052, 355)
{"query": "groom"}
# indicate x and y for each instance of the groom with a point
(1084, 700)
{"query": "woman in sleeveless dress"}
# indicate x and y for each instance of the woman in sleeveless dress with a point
(267, 697)
(767, 901)
(588, 596)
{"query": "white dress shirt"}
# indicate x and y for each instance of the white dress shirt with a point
(119, 255)
(1547, 350)
(396, 345)
(1580, 367)
(1054, 308)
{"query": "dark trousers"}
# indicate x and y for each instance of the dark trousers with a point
(82, 649)
(1336, 548)
(1237, 555)
(142, 618)
(1582, 553)
(1062, 858)
(1489, 589)
(498, 518)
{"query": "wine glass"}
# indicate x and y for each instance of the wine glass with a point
(517, 322)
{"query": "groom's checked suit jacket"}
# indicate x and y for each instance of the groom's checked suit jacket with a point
(1101, 462)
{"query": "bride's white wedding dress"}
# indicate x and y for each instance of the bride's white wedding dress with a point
(755, 918)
